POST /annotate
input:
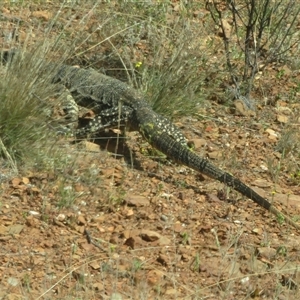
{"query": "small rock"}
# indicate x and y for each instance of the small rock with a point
(282, 118)
(61, 217)
(163, 260)
(149, 236)
(215, 155)
(130, 242)
(154, 277)
(129, 213)
(242, 109)
(33, 213)
(171, 292)
(152, 236)
(267, 252)
(13, 281)
(257, 231)
(135, 200)
(164, 218)
(98, 286)
(89, 146)
(177, 227)
(17, 228)
(199, 143)
(95, 265)
(45, 15)
(81, 220)
(262, 183)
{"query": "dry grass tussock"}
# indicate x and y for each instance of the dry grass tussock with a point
(169, 74)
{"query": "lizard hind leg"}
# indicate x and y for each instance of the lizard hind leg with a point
(106, 119)
(64, 111)
(71, 111)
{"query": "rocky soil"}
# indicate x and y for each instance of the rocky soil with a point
(119, 221)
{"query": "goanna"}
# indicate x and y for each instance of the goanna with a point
(114, 102)
(117, 104)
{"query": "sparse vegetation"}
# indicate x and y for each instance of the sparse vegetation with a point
(24, 111)
(257, 32)
(179, 55)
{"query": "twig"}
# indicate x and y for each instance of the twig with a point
(90, 240)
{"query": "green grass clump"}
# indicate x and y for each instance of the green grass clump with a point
(25, 95)
(153, 53)
(169, 75)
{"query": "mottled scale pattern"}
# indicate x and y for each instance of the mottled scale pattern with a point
(113, 102)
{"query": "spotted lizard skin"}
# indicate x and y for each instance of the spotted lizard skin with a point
(115, 103)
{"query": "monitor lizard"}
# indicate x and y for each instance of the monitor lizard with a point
(115, 103)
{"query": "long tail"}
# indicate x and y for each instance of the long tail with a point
(181, 154)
